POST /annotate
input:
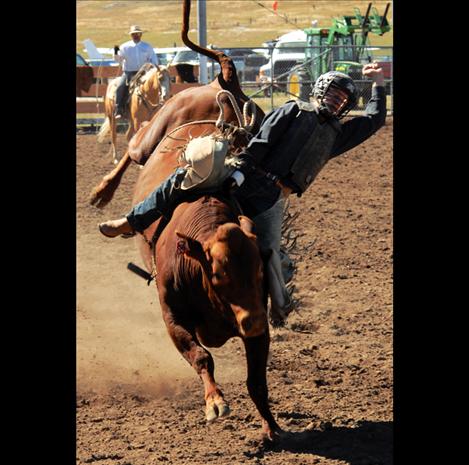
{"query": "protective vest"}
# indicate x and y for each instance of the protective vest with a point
(305, 150)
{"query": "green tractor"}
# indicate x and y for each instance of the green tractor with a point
(343, 47)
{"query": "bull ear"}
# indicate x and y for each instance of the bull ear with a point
(247, 225)
(190, 247)
(193, 248)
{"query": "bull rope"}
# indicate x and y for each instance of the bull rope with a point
(220, 123)
(242, 119)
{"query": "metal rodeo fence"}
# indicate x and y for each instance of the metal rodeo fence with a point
(270, 76)
(273, 76)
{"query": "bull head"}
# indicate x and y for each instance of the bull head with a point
(232, 266)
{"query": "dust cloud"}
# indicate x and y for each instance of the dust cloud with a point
(122, 341)
(121, 336)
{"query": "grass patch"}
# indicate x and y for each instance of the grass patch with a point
(236, 23)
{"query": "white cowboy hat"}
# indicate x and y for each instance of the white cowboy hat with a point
(135, 30)
(205, 158)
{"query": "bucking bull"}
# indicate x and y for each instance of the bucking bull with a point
(205, 258)
(209, 276)
(193, 104)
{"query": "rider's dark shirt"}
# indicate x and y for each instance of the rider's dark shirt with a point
(279, 134)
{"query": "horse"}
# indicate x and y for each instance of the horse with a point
(209, 276)
(152, 88)
(192, 104)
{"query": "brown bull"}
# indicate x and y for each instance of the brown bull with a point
(146, 99)
(193, 104)
(209, 275)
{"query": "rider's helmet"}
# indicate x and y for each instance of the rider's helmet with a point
(336, 93)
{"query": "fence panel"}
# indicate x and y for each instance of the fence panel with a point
(96, 90)
(107, 72)
(269, 76)
(92, 84)
(89, 105)
(292, 72)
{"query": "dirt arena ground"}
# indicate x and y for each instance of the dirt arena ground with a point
(330, 373)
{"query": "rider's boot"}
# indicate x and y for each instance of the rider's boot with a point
(116, 228)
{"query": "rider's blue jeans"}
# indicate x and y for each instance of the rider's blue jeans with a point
(159, 203)
(122, 90)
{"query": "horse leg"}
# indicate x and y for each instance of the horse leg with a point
(130, 132)
(257, 351)
(113, 123)
(102, 194)
(185, 340)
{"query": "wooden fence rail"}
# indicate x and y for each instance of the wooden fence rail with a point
(92, 83)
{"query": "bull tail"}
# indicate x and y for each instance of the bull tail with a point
(104, 130)
(228, 77)
(103, 193)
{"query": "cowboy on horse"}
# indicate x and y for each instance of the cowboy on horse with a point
(132, 55)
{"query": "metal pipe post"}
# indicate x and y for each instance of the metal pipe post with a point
(202, 38)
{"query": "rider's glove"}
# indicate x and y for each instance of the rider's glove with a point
(233, 182)
(245, 163)
(237, 177)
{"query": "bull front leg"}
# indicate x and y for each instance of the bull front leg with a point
(185, 340)
(257, 351)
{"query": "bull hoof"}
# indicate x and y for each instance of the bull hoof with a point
(272, 436)
(102, 194)
(216, 409)
(98, 198)
(211, 414)
(224, 410)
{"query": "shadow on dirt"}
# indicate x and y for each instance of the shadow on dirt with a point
(369, 443)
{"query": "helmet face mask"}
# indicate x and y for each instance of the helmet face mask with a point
(335, 100)
(335, 93)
